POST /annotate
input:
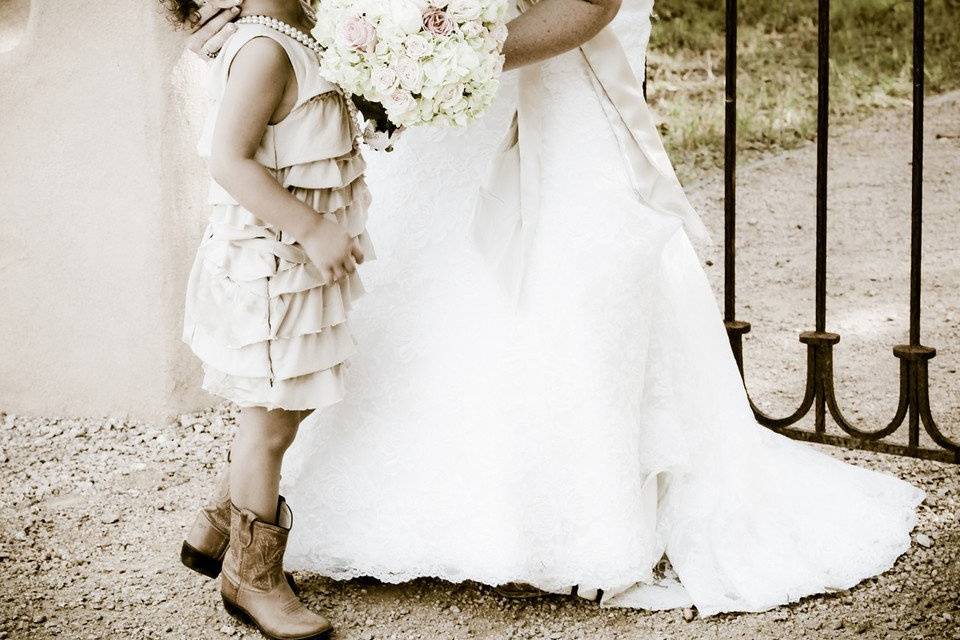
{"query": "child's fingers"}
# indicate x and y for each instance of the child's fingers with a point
(349, 265)
(208, 39)
(215, 44)
(357, 252)
(328, 276)
(213, 7)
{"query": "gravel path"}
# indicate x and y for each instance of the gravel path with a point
(92, 511)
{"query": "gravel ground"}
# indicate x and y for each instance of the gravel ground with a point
(92, 511)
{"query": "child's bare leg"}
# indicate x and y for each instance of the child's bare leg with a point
(253, 587)
(256, 456)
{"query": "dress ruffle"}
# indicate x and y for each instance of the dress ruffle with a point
(322, 388)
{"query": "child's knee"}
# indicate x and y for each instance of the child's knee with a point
(278, 439)
(270, 433)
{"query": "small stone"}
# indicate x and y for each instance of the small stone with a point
(924, 540)
(454, 609)
(864, 626)
(39, 619)
(109, 517)
(689, 614)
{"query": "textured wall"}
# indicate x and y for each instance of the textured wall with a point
(100, 212)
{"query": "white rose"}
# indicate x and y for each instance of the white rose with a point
(449, 95)
(399, 101)
(382, 50)
(462, 10)
(410, 74)
(417, 46)
(383, 79)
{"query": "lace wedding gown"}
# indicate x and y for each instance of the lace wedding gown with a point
(577, 438)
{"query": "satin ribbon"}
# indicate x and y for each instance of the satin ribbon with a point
(508, 209)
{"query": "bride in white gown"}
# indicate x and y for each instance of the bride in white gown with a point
(578, 429)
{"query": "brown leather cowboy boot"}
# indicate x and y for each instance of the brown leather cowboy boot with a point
(209, 536)
(207, 540)
(252, 584)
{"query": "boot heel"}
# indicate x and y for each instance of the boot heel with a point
(237, 612)
(199, 561)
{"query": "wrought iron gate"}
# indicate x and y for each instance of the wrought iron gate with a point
(914, 401)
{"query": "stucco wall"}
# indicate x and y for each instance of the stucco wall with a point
(100, 212)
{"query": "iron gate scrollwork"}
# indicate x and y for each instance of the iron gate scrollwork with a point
(914, 403)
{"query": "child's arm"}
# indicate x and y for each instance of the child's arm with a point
(258, 82)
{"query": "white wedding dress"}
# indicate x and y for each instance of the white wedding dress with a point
(579, 437)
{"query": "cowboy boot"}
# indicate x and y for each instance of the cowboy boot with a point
(208, 538)
(252, 584)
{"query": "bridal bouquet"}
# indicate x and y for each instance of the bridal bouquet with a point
(424, 61)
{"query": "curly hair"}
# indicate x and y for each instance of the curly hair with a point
(183, 12)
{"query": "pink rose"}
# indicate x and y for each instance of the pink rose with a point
(437, 21)
(357, 33)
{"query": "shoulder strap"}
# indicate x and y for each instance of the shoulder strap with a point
(306, 66)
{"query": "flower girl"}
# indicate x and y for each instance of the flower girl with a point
(270, 290)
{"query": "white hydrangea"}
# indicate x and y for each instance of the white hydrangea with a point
(426, 61)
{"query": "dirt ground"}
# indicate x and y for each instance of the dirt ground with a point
(92, 511)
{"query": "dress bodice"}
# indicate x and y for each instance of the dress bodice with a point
(318, 126)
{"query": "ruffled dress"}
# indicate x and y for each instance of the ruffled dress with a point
(269, 330)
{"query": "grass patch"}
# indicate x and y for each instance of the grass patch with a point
(870, 50)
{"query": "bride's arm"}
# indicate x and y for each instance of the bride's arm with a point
(552, 27)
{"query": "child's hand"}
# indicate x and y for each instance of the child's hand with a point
(213, 26)
(332, 250)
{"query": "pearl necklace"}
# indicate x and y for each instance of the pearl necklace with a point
(286, 29)
(309, 42)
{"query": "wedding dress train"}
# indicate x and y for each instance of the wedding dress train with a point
(577, 437)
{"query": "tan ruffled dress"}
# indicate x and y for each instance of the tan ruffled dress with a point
(270, 332)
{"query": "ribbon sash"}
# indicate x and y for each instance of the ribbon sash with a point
(508, 209)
